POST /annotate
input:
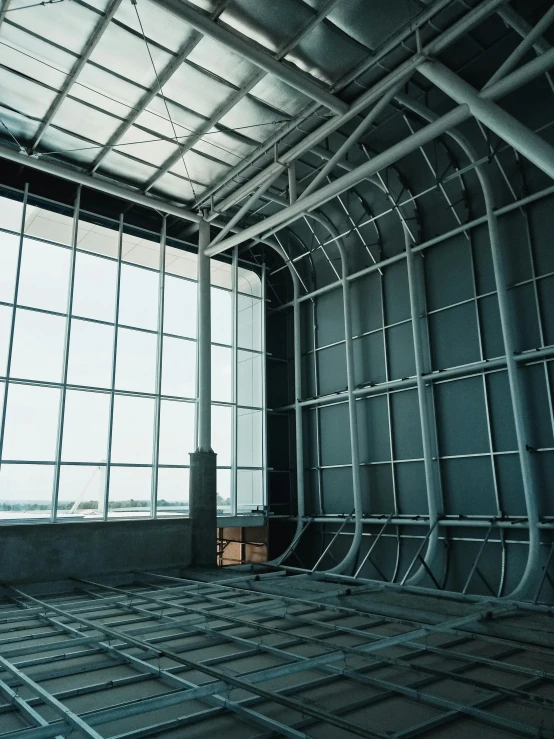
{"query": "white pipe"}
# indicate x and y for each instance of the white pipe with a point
(299, 440)
(521, 418)
(292, 182)
(204, 345)
(250, 202)
(514, 133)
(348, 180)
(358, 132)
(434, 502)
(523, 47)
(445, 39)
(95, 183)
(350, 556)
(258, 56)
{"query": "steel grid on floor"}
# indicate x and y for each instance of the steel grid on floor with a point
(267, 655)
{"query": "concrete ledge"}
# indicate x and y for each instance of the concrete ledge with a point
(41, 552)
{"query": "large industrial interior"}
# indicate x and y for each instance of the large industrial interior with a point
(276, 369)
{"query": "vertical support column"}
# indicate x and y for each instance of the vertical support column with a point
(203, 488)
(12, 323)
(65, 364)
(159, 360)
(234, 380)
(103, 510)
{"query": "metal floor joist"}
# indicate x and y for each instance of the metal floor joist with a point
(226, 652)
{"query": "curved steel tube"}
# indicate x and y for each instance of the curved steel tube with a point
(350, 556)
(521, 420)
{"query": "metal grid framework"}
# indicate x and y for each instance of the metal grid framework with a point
(156, 655)
(110, 258)
(386, 154)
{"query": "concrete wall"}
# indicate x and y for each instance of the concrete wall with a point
(34, 552)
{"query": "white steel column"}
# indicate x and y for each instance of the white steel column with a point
(521, 138)
(204, 365)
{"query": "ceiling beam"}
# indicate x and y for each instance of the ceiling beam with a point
(91, 44)
(95, 183)
(470, 20)
(4, 10)
(255, 54)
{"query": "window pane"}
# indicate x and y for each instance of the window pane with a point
(222, 316)
(249, 282)
(44, 278)
(38, 346)
(173, 491)
(249, 321)
(98, 239)
(136, 361)
(138, 301)
(26, 490)
(95, 287)
(9, 248)
(221, 274)
(130, 491)
(81, 491)
(85, 435)
(179, 307)
(221, 434)
(90, 354)
(11, 213)
(45, 224)
(179, 262)
(249, 438)
(223, 482)
(133, 427)
(250, 491)
(5, 327)
(249, 378)
(222, 387)
(31, 423)
(176, 432)
(179, 367)
(140, 251)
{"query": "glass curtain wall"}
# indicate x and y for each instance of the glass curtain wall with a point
(98, 370)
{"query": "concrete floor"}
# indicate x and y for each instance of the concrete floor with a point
(202, 653)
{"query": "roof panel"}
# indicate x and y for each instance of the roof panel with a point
(278, 23)
(280, 95)
(197, 91)
(67, 24)
(249, 112)
(70, 147)
(83, 120)
(124, 95)
(126, 169)
(200, 168)
(128, 56)
(155, 119)
(24, 96)
(218, 59)
(326, 54)
(17, 47)
(175, 188)
(158, 25)
(223, 146)
(141, 145)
